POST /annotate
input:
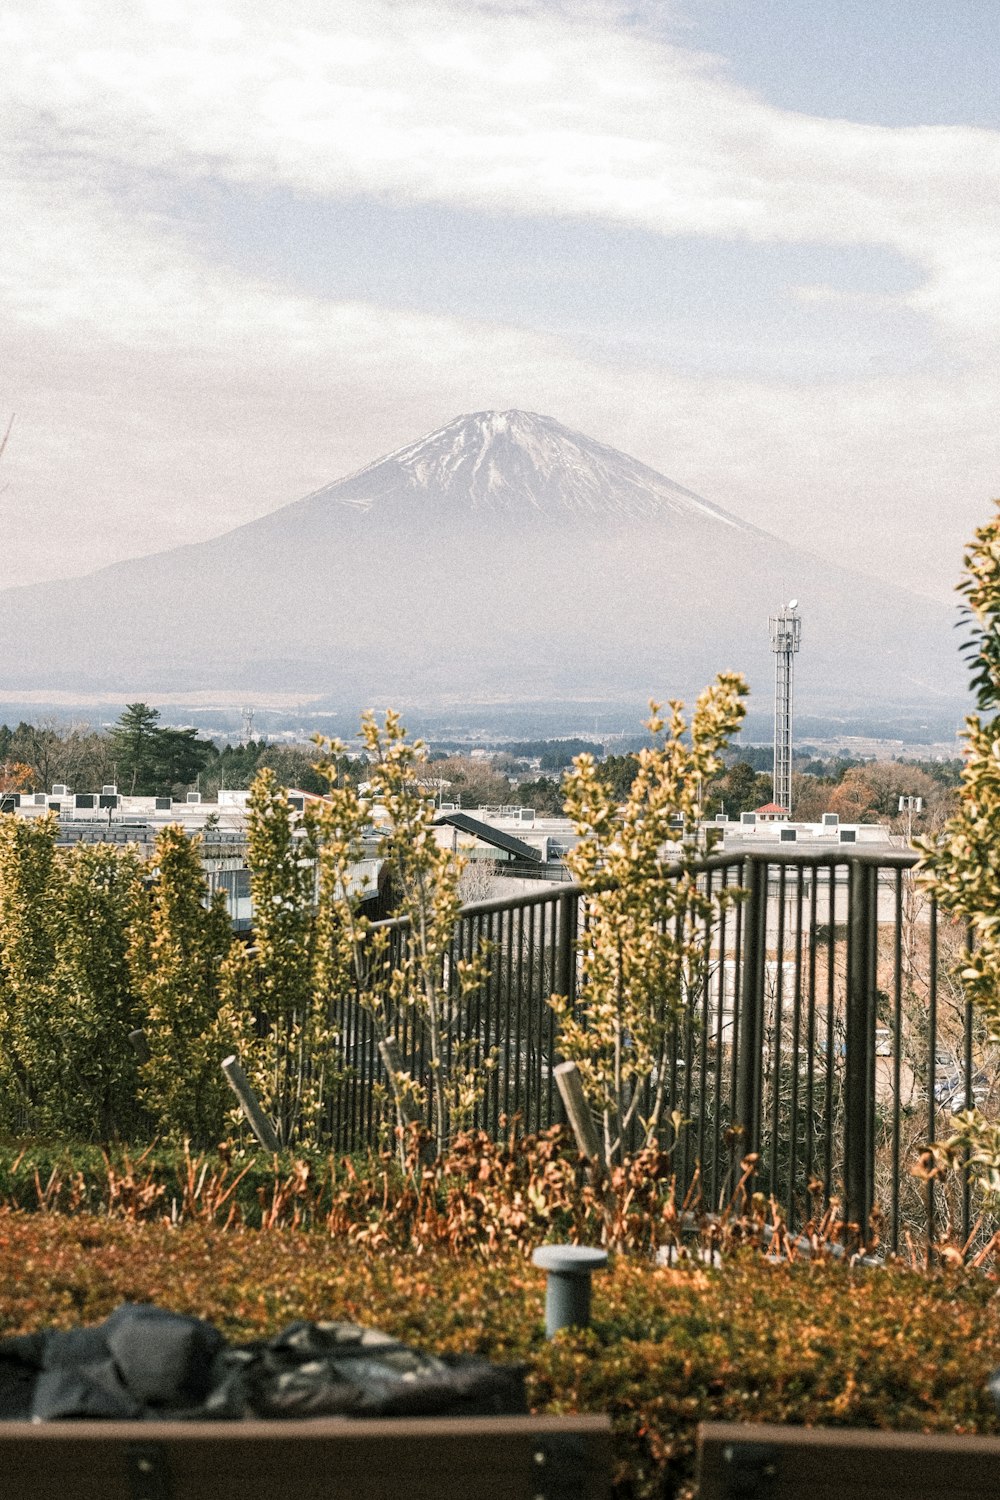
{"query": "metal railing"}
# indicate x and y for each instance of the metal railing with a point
(828, 1037)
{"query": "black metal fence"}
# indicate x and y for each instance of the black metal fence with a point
(829, 1035)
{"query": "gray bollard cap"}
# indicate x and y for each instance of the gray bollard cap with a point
(569, 1260)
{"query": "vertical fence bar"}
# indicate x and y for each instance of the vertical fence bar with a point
(704, 1033)
(564, 947)
(567, 915)
(337, 1010)
(970, 1099)
(832, 1064)
(737, 1044)
(511, 1019)
(810, 1144)
(547, 966)
(495, 1015)
(372, 1066)
(859, 1103)
(556, 1109)
(712, 1176)
(484, 946)
(748, 1082)
(932, 1023)
(793, 1108)
(897, 1056)
(540, 1010)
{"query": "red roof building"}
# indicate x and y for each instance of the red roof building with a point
(771, 813)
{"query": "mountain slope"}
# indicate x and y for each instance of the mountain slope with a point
(502, 553)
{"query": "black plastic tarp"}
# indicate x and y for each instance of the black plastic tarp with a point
(149, 1364)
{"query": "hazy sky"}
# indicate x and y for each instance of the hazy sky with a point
(248, 248)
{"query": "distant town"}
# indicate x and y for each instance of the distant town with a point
(499, 804)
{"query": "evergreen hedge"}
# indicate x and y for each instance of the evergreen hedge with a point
(812, 1342)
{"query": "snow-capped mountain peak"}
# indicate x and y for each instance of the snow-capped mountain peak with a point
(518, 463)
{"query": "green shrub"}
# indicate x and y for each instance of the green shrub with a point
(67, 1000)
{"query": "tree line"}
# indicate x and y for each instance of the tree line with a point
(145, 757)
(142, 756)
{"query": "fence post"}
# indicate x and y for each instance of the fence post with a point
(565, 946)
(578, 1113)
(260, 1124)
(751, 1018)
(859, 1061)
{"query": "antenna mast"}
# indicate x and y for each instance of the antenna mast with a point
(786, 636)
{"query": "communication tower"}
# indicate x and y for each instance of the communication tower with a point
(786, 635)
(247, 725)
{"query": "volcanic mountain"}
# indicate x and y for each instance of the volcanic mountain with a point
(502, 554)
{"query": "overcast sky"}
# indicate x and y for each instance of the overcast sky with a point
(248, 248)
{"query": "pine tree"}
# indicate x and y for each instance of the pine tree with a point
(135, 740)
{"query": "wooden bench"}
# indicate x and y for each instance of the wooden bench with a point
(423, 1458)
(757, 1462)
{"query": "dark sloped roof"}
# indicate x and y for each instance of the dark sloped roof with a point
(489, 835)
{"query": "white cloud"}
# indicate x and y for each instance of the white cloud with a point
(514, 110)
(161, 397)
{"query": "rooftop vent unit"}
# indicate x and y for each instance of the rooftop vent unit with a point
(60, 790)
(848, 836)
(830, 820)
(297, 804)
(85, 800)
(722, 817)
(108, 799)
(194, 798)
(748, 819)
(40, 799)
(110, 790)
(163, 804)
(787, 835)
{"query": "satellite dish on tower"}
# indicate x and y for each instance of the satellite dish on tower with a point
(793, 604)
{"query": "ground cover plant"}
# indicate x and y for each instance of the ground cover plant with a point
(479, 1196)
(811, 1342)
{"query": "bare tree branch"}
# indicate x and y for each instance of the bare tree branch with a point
(3, 442)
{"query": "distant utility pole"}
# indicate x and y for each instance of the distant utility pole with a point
(910, 805)
(786, 636)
